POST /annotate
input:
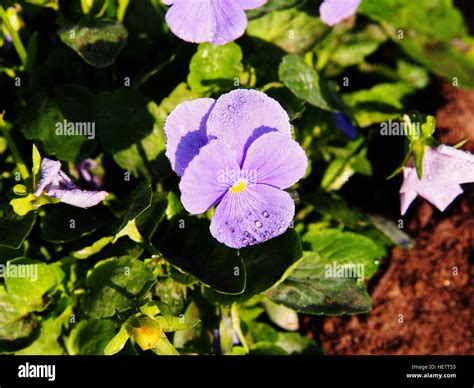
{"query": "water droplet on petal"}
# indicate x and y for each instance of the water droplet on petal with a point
(231, 108)
(265, 214)
(281, 230)
(258, 224)
(232, 230)
(242, 100)
(224, 115)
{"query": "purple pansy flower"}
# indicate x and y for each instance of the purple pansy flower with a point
(56, 184)
(236, 153)
(334, 11)
(444, 169)
(213, 21)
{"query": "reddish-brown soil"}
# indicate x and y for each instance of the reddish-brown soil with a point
(422, 298)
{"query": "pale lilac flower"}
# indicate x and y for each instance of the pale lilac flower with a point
(56, 184)
(213, 21)
(333, 12)
(444, 169)
(236, 153)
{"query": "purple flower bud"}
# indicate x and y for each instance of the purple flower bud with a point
(56, 184)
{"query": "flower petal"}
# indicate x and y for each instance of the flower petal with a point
(408, 191)
(276, 160)
(334, 11)
(450, 164)
(77, 197)
(440, 195)
(214, 21)
(49, 174)
(254, 215)
(185, 131)
(241, 116)
(251, 4)
(208, 177)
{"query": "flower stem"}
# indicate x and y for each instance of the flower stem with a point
(14, 150)
(20, 49)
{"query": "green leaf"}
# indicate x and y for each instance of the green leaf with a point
(117, 343)
(67, 223)
(98, 43)
(307, 290)
(434, 34)
(29, 281)
(113, 285)
(214, 68)
(292, 30)
(296, 344)
(13, 228)
(127, 129)
(90, 337)
(172, 294)
(64, 122)
(170, 324)
(265, 264)
(16, 329)
(281, 316)
(305, 83)
(343, 248)
(380, 103)
(164, 347)
(200, 255)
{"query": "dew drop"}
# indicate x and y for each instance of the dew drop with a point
(258, 224)
(265, 214)
(247, 234)
(245, 242)
(232, 230)
(231, 108)
(281, 230)
(242, 100)
(262, 235)
(249, 213)
(220, 231)
(224, 115)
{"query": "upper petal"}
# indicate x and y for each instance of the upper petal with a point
(251, 4)
(334, 11)
(185, 131)
(208, 177)
(451, 165)
(49, 173)
(252, 216)
(242, 115)
(213, 21)
(275, 159)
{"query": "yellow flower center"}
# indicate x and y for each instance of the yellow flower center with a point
(238, 186)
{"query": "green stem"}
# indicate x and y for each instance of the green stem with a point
(20, 49)
(25, 174)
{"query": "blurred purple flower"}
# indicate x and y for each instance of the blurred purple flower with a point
(213, 21)
(334, 11)
(85, 172)
(444, 169)
(344, 125)
(237, 153)
(56, 184)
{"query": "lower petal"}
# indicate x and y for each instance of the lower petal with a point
(77, 197)
(440, 196)
(255, 215)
